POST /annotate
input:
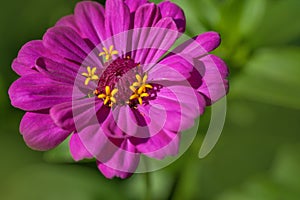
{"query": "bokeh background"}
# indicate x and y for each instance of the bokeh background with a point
(258, 154)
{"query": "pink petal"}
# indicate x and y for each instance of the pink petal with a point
(133, 5)
(69, 21)
(77, 149)
(65, 42)
(117, 17)
(40, 133)
(215, 85)
(165, 143)
(169, 9)
(172, 68)
(181, 104)
(122, 163)
(35, 92)
(156, 43)
(25, 62)
(200, 45)
(90, 18)
(57, 71)
(77, 114)
(21, 68)
(147, 15)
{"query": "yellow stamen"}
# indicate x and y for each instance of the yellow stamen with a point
(108, 96)
(134, 96)
(140, 100)
(139, 88)
(101, 96)
(114, 92)
(138, 78)
(135, 84)
(144, 95)
(141, 81)
(139, 94)
(132, 88)
(107, 90)
(90, 75)
(108, 53)
(139, 97)
(145, 78)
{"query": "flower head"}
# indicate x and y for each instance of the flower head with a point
(136, 100)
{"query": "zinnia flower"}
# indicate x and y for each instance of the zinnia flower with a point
(105, 77)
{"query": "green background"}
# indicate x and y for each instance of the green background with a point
(258, 154)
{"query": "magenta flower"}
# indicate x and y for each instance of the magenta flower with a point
(105, 76)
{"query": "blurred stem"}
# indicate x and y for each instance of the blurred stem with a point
(148, 193)
(187, 175)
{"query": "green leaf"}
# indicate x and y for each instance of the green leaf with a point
(282, 183)
(287, 165)
(280, 25)
(272, 76)
(52, 182)
(258, 188)
(253, 11)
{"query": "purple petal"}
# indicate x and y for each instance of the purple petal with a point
(117, 23)
(96, 142)
(90, 18)
(158, 41)
(40, 133)
(165, 143)
(30, 52)
(116, 157)
(199, 45)
(67, 43)
(169, 9)
(77, 114)
(57, 71)
(172, 68)
(25, 62)
(122, 163)
(181, 104)
(21, 68)
(62, 116)
(117, 17)
(69, 21)
(77, 149)
(116, 123)
(174, 110)
(65, 72)
(147, 16)
(35, 92)
(133, 5)
(209, 40)
(164, 39)
(111, 173)
(215, 85)
(123, 122)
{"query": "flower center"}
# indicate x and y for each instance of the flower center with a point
(116, 72)
(123, 83)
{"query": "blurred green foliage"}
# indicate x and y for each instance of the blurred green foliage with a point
(257, 156)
